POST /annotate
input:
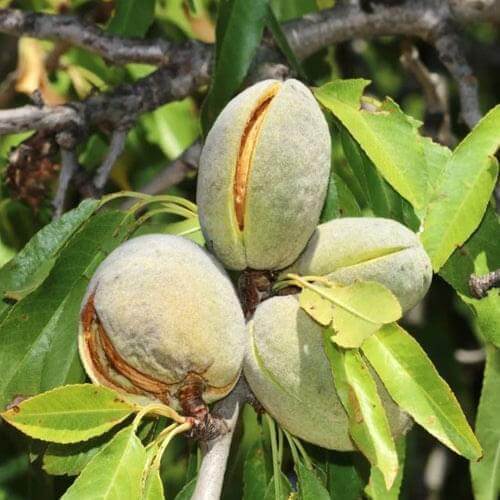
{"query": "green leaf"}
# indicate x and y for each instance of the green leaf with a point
(173, 127)
(286, 489)
(32, 264)
(70, 459)
(254, 473)
(38, 337)
(310, 487)
(486, 473)
(69, 414)
(463, 190)
(153, 485)
(344, 481)
(479, 255)
(331, 208)
(240, 25)
(368, 424)
(187, 491)
(376, 488)
(319, 308)
(282, 42)
(358, 309)
(381, 198)
(375, 131)
(413, 382)
(132, 17)
(114, 473)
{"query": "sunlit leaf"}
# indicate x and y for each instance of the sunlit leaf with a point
(401, 162)
(368, 424)
(413, 382)
(114, 473)
(376, 488)
(69, 414)
(319, 308)
(358, 309)
(486, 473)
(462, 190)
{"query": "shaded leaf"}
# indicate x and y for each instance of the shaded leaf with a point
(286, 489)
(282, 42)
(368, 424)
(375, 132)
(331, 208)
(462, 190)
(114, 473)
(479, 255)
(310, 487)
(255, 478)
(132, 17)
(187, 491)
(240, 25)
(69, 414)
(344, 481)
(23, 271)
(38, 337)
(486, 473)
(413, 382)
(70, 459)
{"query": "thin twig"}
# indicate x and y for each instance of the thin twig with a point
(69, 167)
(216, 452)
(479, 285)
(80, 33)
(189, 62)
(174, 173)
(114, 151)
(435, 92)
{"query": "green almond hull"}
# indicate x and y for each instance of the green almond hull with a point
(169, 309)
(287, 181)
(369, 249)
(287, 369)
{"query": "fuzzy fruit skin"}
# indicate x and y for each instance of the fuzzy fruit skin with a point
(287, 182)
(169, 310)
(287, 369)
(369, 249)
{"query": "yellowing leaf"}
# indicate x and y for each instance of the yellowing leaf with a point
(320, 309)
(69, 414)
(368, 424)
(32, 74)
(359, 310)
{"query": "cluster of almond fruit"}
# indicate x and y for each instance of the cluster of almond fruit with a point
(161, 319)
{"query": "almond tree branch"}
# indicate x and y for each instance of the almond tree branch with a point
(114, 151)
(216, 452)
(86, 35)
(188, 63)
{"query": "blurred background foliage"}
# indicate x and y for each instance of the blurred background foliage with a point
(442, 325)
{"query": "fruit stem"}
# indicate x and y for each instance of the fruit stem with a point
(178, 430)
(160, 410)
(276, 461)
